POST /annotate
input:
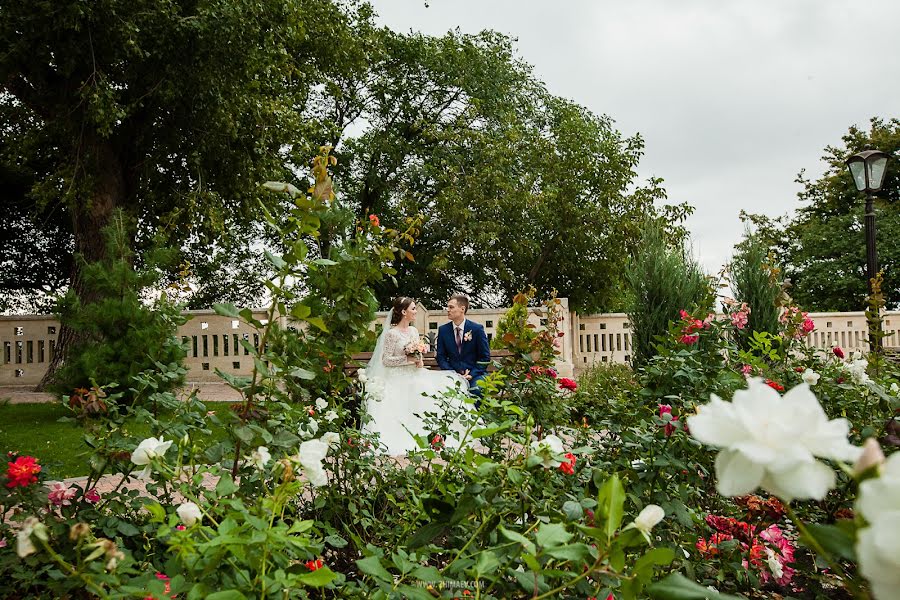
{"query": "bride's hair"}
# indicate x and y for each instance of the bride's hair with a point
(400, 304)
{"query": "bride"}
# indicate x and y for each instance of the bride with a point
(401, 390)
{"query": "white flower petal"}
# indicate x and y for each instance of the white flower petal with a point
(736, 475)
(805, 480)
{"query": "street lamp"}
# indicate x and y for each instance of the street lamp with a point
(868, 168)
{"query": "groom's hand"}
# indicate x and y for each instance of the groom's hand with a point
(466, 375)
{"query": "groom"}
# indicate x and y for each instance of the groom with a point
(462, 345)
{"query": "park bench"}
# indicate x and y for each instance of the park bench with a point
(361, 359)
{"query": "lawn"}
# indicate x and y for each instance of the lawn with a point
(35, 430)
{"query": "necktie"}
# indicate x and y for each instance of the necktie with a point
(459, 339)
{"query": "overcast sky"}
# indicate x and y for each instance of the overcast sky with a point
(733, 98)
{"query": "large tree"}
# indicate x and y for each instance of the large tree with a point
(172, 111)
(822, 248)
(518, 187)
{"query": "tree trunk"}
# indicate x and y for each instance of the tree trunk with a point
(103, 166)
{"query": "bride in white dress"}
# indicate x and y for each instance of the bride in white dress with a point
(400, 390)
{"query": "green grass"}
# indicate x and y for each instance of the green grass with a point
(35, 430)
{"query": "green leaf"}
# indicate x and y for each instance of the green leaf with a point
(426, 534)
(157, 512)
(549, 535)
(573, 510)
(226, 485)
(371, 565)
(336, 541)
(318, 578)
(302, 373)
(127, 529)
(576, 552)
(277, 261)
(485, 431)
(515, 536)
(656, 556)
(678, 587)
(429, 574)
(226, 595)
(833, 539)
(226, 309)
(317, 322)
(611, 504)
(327, 262)
(486, 564)
(300, 311)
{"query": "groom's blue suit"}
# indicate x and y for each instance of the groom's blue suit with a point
(474, 355)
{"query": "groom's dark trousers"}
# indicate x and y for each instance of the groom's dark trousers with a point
(473, 353)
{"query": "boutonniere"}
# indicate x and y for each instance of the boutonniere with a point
(467, 336)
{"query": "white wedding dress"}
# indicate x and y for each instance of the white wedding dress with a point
(399, 394)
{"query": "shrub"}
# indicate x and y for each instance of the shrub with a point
(118, 335)
(602, 389)
(754, 280)
(661, 280)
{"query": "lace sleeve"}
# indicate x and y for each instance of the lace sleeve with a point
(393, 355)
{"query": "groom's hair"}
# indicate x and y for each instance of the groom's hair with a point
(462, 301)
(401, 303)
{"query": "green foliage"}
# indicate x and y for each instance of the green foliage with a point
(661, 280)
(822, 248)
(120, 335)
(459, 129)
(602, 389)
(754, 280)
(514, 332)
(505, 517)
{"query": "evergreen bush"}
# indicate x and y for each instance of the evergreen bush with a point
(662, 280)
(118, 335)
(754, 280)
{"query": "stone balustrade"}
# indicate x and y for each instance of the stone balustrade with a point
(27, 342)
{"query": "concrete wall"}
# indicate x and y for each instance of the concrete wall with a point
(27, 342)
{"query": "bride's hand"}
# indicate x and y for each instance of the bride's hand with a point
(420, 363)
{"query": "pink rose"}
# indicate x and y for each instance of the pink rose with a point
(61, 494)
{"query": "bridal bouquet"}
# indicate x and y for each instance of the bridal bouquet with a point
(416, 349)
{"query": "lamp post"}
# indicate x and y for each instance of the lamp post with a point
(868, 168)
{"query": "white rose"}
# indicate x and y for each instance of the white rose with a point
(310, 457)
(330, 416)
(361, 375)
(189, 513)
(810, 377)
(547, 448)
(146, 451)
(774, 564)
(259, 458)
(871, 456)
(894, 388)
(332, 439)
(24, 545)
(772, 442)
(321, 403)
(649, 517)
(312, 427)
(878, 545)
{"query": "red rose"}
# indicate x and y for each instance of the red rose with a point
(373, 219)
(22, 472)
(569, 467)
(838, 352)
(314, 565)
(567, 384)
(775, 385)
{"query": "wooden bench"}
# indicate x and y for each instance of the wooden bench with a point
(361, 359)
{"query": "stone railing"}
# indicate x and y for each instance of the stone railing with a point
(27, 343)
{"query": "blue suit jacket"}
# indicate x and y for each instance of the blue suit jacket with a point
(475, 354)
